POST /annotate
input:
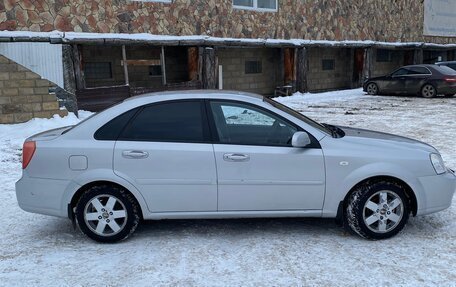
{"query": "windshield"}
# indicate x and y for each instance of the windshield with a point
(298, 115)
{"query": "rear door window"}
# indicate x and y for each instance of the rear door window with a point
(419, 71)
(177, 121)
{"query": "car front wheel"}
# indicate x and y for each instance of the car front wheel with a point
(372, 89)
(107, 213)
(378, 210)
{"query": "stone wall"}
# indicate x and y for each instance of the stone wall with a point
(379, 20)
(235, 78)
(319, 79)
(24, 95)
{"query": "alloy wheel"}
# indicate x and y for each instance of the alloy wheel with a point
(428, 91)
(383, 211)
(372, 89)
(105, 215)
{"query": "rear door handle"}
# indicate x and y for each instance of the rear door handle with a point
(236, 157)
(135, 154)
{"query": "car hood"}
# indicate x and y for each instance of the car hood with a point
(377, 78)
(381, 139)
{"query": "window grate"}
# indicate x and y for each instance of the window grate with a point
(253, 67)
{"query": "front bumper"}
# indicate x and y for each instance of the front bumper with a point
(44, 196)
(438, 192)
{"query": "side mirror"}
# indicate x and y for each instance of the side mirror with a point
(300, 139)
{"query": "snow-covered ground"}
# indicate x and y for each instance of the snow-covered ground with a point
(39, 250)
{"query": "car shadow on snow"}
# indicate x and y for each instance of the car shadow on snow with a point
(240, 227)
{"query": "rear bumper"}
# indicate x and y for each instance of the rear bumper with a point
(42, 196)
(438, 192)
(446, 89)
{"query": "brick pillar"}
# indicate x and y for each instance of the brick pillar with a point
(418, 56)
(367, 66)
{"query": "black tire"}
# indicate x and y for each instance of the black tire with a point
(372, 89)
(449, 95)
(428, 91)
(358, 215)
(124, 204)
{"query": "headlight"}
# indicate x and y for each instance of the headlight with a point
(438, 164)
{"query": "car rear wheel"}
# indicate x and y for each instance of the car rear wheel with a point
(378, 210)
(107, 213)
(372, 89)
(428, 91)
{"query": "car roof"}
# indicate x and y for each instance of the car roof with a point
(191, 94)
(420, 65)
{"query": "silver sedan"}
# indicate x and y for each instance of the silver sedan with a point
(218, 154)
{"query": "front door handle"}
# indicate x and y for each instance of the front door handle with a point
(236, 157)
(135, 154)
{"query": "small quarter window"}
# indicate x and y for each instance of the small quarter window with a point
(98, 70)
(111, 130)
(327, 64)
(384, 55)
(155, 70)
(262, 5)
(253, 67)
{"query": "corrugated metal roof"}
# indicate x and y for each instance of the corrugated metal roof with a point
(42, 58)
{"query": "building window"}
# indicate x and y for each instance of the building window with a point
(262, 5)
(384, 55)
(98, 70)
(165, 1)
(155, 70)
(327, 64)
(253, 67)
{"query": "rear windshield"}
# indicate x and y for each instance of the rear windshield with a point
(445, 70)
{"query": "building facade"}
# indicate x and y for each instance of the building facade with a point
(115, 49)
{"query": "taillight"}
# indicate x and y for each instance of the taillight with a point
(27, 153)
(450, 79)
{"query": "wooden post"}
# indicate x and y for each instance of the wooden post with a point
(68, 93)
(80, 83)
(192, 60)
(163, 65)
(209, 67)
(301, 70)
(367, 67)
(125, 65)
(288, 65)
(418, 56)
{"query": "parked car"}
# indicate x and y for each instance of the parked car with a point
(218, 154)
(425, 80)
(449, 64)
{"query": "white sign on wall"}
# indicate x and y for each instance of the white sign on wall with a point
(440, 18)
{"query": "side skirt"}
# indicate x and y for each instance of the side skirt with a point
(232, 214)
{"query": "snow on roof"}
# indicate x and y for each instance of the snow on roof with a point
(80, 37)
